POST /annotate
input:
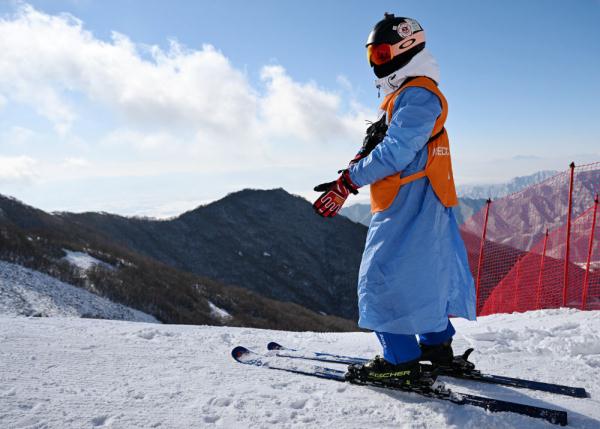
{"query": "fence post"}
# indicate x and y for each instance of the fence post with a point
(586, 281)
(568, 238)
(480, 263)
(540, 278)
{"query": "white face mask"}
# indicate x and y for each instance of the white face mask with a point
(422, 64)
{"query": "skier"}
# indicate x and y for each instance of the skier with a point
(414, 271)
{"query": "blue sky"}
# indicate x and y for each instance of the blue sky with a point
(155, 121)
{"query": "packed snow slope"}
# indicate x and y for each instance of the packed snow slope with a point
(81, 373)
(25, 292)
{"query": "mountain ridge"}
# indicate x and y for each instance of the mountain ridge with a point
(245, 239)
(502, 189)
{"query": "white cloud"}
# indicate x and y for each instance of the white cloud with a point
(191, 98)
(160, 112)
(17, 135)
(75, 162)
(139, 140)
(303, 111)
(17, 169)
(344, 82)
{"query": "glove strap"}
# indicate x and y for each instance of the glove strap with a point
(348, 183)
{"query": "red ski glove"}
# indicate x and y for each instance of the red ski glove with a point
(334, 195)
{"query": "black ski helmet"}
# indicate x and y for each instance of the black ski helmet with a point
(393, 42)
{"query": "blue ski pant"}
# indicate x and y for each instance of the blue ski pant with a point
(398, 348)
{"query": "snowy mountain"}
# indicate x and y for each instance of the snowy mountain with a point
(80, 373)
(25, 292)
(359, 213)
(499, 190)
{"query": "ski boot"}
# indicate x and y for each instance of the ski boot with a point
(442, 356)
(438, 354)
(462, 364)
(409, 375)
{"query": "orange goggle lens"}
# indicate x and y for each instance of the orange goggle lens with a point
(379, 54)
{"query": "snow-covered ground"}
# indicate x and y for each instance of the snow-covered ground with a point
(84, 261)
(218, 312)
(25, 292)
(81, 373)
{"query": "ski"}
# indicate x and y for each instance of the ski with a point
(466, 373)
(437, 391)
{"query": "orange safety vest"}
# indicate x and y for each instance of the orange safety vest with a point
(439, 166)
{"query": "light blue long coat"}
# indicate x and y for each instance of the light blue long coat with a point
(414, 271)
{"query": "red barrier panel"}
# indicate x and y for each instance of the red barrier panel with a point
(588, 264)
(540, 283)
(481, 249)
(526, 254)
(520, 289)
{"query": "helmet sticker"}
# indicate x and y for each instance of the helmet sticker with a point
(405, 29)
(407, 43)
(414, 25)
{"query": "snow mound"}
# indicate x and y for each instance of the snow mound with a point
(87, 373)
(25, 292)
(218, 312)
(84, 261)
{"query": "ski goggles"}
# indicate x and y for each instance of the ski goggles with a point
(379, 54)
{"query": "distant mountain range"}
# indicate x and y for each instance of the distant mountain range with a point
(471, 197)
(499, 190)
(361, 213)
(520, 219)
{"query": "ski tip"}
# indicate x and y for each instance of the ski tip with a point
(274, 346)
(238, 352)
